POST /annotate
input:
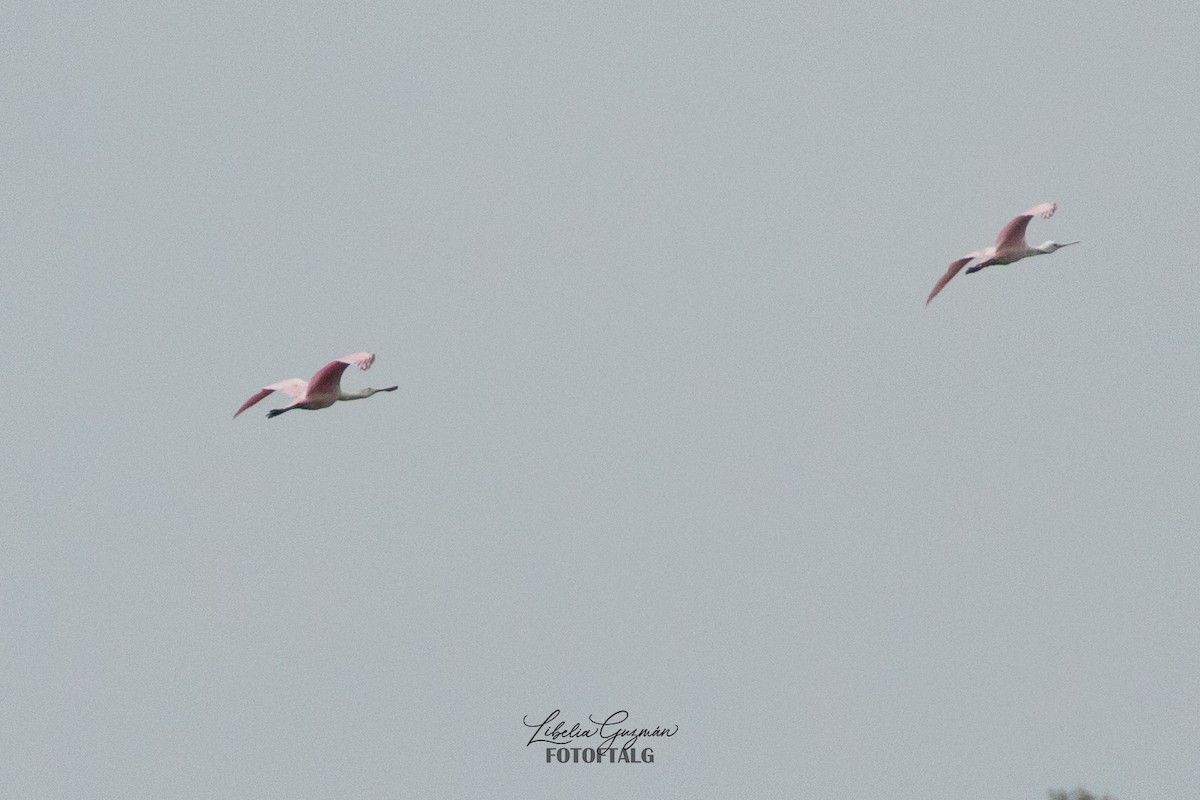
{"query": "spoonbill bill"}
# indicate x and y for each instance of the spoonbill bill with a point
(322, 391)
(1010, 246)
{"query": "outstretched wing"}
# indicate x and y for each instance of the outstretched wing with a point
(955, 266)
(1013, 234)
(328, 377)
(292, 387)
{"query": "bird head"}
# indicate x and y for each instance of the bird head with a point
(1050, 247)
(369, 391)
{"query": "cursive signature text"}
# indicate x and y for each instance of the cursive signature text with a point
(608, 733)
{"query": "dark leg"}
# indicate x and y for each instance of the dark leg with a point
(275, 412)
(979, 266)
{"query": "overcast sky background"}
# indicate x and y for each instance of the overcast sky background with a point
(675, 431)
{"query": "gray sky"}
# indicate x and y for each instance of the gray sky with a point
(675, 432)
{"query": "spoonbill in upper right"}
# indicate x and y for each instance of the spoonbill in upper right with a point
(1010, 246)
(322, 391)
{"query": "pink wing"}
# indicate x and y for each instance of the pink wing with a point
(292, 387)
(955, 266)
(1013, 234)
(329, 377)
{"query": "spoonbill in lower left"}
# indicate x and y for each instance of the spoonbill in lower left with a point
(322, 391)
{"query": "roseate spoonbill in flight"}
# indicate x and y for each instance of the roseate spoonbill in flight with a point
(322, 391)
(1010, 246)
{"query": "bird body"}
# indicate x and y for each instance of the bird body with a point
(322, 391)
(1010, 247)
